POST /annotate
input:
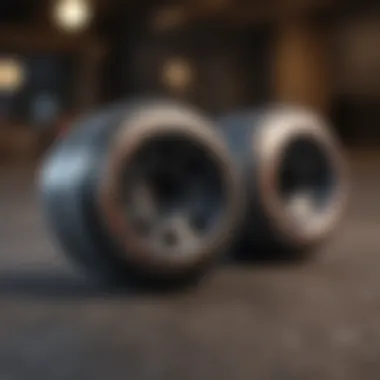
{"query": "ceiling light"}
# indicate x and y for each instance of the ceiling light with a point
(177, 74)
(12, 75)
(72, 15)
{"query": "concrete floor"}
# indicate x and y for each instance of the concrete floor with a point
(319, 319)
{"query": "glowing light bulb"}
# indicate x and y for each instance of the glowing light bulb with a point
(73, 15)
(12, 75)
(177, 74)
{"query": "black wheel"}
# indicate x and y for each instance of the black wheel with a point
(295, 179)
(144, 190)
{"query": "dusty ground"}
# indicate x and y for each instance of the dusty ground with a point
(315, 320)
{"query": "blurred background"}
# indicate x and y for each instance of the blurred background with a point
(59, 58)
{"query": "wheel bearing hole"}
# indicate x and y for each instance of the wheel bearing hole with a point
(170, 237)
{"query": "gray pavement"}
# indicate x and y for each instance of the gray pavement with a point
(318, 319)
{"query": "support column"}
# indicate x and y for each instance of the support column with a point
(301, 72)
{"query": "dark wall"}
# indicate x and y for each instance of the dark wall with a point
(355, 57)
(45, 92)
(229, 68)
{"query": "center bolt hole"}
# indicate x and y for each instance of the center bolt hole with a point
(170, 238)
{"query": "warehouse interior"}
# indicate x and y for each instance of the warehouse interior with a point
(60, 59)
(321, 54)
